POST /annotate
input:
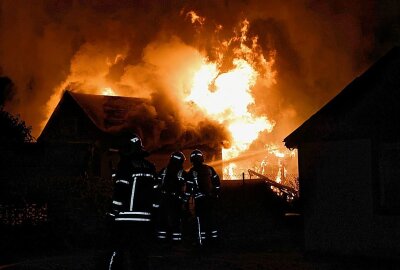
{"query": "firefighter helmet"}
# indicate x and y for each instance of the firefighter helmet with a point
(178, 157)
(132, 145)
(136, 142)
(196, 156)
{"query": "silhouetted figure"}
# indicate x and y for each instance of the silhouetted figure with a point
(131, 210)
(171, 185)
(204, 185)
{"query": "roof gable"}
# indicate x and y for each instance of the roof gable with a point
(360, 109)
(108, 113)
(93, 113)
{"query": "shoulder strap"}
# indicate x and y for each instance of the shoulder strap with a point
(194, 173)
(163, 174)
(180, 177)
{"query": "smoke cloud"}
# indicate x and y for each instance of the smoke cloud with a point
(150, 49)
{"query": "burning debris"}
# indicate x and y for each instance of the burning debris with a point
(275, 165)
(290, 193)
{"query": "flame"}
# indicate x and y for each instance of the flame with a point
(108, 91)
(279, 157)
(194, 18)
(279, 152)
(226, 96)
(229, 171)
(281, 173)
(221, 88)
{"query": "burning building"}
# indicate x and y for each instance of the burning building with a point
(220, 75)
(208, 102)
(68, 170)
(176, 94)
(223, 56)
(100, 121)
(349, 161)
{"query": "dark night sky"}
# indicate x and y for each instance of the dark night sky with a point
(320, 46)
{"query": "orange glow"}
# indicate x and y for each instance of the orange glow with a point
(194, 18)
(226, 96)
(229, 171)
(274, 149)
(107, 91)
(222, 89)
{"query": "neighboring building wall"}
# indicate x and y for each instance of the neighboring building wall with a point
(336, 186)
(386, 222)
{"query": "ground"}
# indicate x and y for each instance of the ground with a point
(257, 233)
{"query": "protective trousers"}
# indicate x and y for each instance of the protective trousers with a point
(206, 219)
(169, 221)
(130, 244)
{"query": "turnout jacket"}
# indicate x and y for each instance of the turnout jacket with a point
(203, 181)
(172, 183)
(135, 180)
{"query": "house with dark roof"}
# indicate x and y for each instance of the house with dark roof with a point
(349, 166)
(101, 121)
(85, 118)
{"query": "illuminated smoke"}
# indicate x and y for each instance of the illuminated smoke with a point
(148, 48)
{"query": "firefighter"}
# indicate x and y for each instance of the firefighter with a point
(171, 185)
(204, 185)
(132, 205)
